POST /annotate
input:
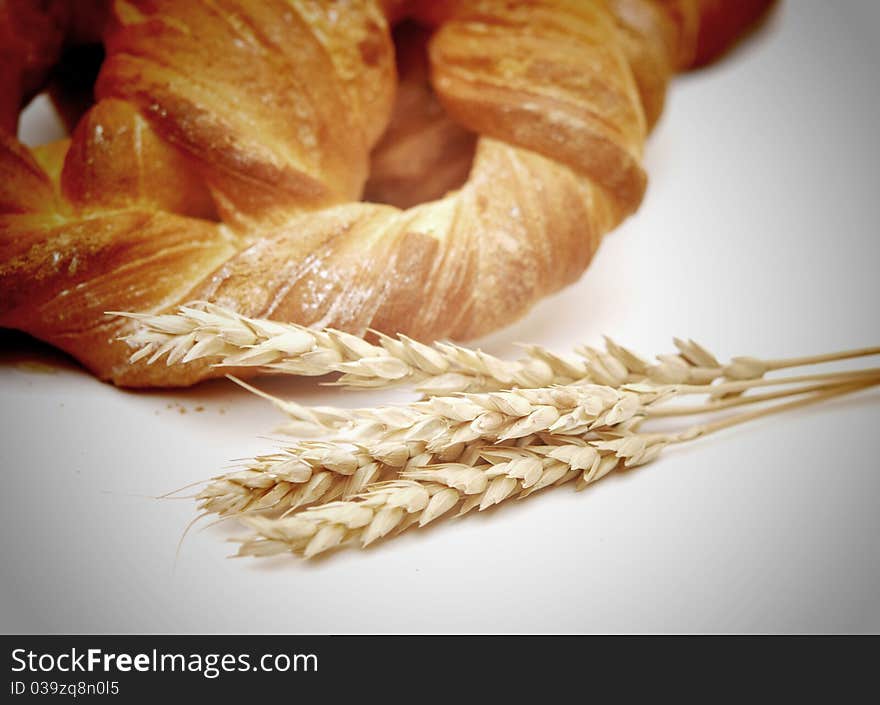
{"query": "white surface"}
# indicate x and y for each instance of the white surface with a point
(758, 235)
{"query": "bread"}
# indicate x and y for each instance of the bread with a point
(231, 143)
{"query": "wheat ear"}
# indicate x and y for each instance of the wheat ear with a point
(203, 330)
(386, 440)
(374, 444)
(420, 496)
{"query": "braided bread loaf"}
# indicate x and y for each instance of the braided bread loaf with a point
(231, 143)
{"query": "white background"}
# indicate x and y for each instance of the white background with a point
(759, 235)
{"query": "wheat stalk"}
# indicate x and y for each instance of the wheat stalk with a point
(374, 444)
(422, 495)
(202, 330)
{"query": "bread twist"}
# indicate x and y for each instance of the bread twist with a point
(232, 140)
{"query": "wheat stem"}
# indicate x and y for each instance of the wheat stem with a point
(818, 359)
(735, 401)
(724, 388)
(814, 398)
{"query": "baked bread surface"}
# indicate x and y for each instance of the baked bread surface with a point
(231, 146)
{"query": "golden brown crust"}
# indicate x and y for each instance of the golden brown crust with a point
(24, 186)
(116, 161)
(649, 37)
(278, 102)
(57, 276)
(518, 76)
(263, 116)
